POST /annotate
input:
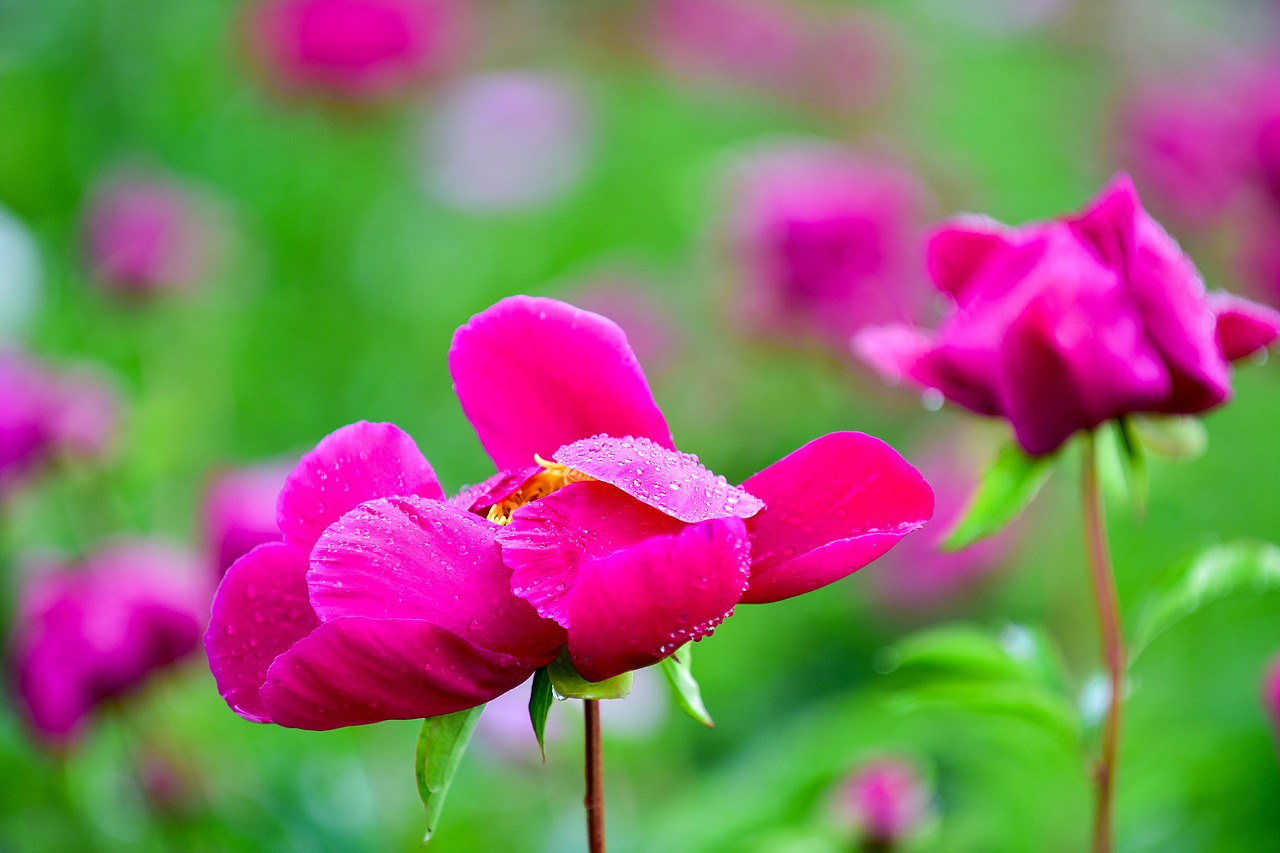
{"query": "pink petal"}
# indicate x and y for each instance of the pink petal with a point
(959, 248)
(535, 374)
(1244, 327)
(260, 610)
(1110, 223)
(417, 559)
(893, 350)
(665, 479)
(354, 464)
(833, 506)
(355, 671)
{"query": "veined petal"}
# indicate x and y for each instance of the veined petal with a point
(260, 610)
(534, 374)
(355, 671)
(1243, 326)
(665, 479)
(354, 464)
(844, 498)
(419, 559)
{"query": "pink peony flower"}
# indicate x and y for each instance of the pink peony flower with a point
(886, 801)
(824, 240)
(1060, 326)
(758, 43)
(85, 634)
(354, 49)
(386, 601)
(146, 234)
(240, 512)
(507, 141)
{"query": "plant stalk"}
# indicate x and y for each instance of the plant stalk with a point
(1113, 651)
(594, 800)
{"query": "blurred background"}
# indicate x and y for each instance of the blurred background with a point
(228, 228)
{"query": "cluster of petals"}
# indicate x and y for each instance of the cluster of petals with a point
(88, 633)
(48, 412)
(824, 240)
(1062, 325)
(385, 599)
(353, 50)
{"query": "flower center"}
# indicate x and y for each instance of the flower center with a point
(551, 478)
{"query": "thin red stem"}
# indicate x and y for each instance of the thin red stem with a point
(594, 800)
(1113, 652)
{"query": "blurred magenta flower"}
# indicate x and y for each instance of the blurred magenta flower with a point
(1271, 694)
(886, 800)
(824, 240)
(240, 512)
(49, 412)
(85, 634)
(757, 43)
(1060, 326)
(851, 60)
(386, 601)
(145, 234)
(631, 299)
(508, 141)
(354, 50)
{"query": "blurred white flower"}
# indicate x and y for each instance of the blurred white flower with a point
(19, 276)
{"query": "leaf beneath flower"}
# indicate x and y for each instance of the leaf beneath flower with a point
(1215, 573)
(540, 699)
(678, 668)
(1170, 437)
(1011, 483)
(441, 745)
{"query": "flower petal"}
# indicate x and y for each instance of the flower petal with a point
(832, 506)
(1244, 327)
(535, 374)
(355, 671)
(260, 610)
(892, 350)
(957, 250)
(665, 479)
(354, 464)
(412, 558)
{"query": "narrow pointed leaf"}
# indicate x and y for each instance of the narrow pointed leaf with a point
(1011, 482)
(1134, 460)
(540, 699)
(441, 745)
(678, 668)
(1215, 573)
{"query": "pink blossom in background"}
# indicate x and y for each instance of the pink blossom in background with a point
(823, 240)
(508, 141)
(595, 534)
(1271, 694)
(851, 62)
(886, 800)
(635, 303)
(88, 633)
(354, 49)
(240, 512)
(757, 43)
(146, 234)
(1061, 326)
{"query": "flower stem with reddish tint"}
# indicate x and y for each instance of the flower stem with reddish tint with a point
(1113, 652)
(594, 800)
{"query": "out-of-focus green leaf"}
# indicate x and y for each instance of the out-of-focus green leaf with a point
(678, 668)
(1134, 461)
(441, 745)
(1215, 573)
(570, 684)
(540, 699)
(1026, 701)
(1008, 485)
(1169, 437)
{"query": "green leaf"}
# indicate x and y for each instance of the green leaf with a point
(1011, 482)
(679, 672)
(1215, 573)
(441, 745)
(1176, 438)
(540, 699)
(1135, 464)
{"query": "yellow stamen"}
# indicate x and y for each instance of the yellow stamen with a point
(551, 478)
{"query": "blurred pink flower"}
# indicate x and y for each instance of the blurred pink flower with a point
(632, 301)
(851, 61)
(354, 50)
(146, 234)
(759, 43)
(48, 412)
(240, 512)
(1271, 694)
(1061, 326)
(507, 141)
(823, 240)
(88, 633)
(886, 800)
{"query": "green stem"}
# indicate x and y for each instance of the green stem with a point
(1113, 651)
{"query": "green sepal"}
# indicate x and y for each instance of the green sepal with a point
(678, 668)
(1134, 461)
(1008, 485)
(1178, 438)
(441, 745)
(540, 699)
(569, 683)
